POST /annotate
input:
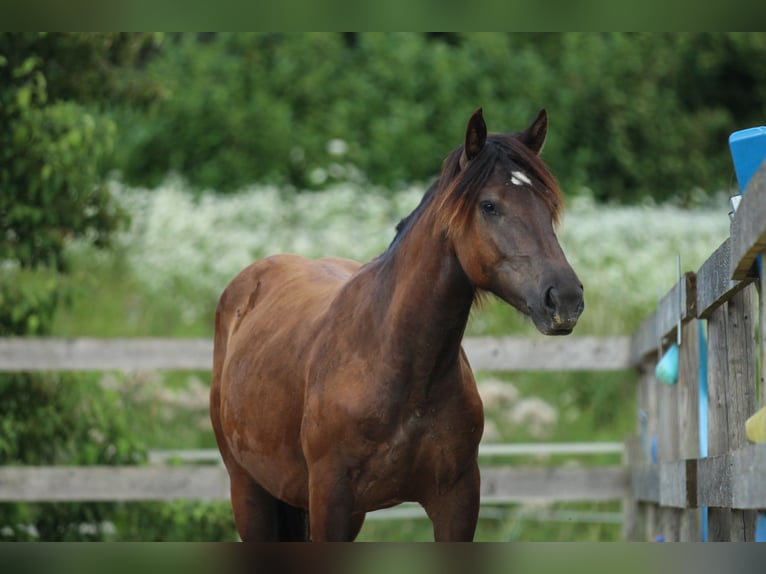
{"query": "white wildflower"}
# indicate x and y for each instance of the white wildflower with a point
(497, 394)
(337, 147)
(534, 414)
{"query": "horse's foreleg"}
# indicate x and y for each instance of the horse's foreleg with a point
(331, 507)
(454, 513)
(254, 509)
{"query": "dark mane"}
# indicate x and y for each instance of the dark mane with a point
(406, 222)
(458, 190)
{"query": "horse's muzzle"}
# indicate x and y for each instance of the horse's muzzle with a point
(561, 308)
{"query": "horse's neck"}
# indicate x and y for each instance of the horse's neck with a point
(428, 301)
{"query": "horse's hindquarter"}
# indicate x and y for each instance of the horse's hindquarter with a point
(270, 310)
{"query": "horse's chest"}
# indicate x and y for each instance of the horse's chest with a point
(426, 450)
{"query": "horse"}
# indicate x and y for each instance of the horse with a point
(340, 388)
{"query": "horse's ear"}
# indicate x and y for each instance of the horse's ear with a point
(475, 137)
(534, 136)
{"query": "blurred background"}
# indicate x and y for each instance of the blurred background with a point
(140, 172)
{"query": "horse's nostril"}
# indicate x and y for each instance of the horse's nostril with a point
(551, 300)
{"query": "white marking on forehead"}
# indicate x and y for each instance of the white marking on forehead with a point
(519, 177)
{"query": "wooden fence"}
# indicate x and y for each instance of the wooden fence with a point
(693, 473)
(197, 479)
(669, 485)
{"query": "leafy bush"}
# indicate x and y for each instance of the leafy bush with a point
(632, 115)
(51, 194)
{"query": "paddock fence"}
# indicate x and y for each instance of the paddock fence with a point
(694, 474)
(198, 474)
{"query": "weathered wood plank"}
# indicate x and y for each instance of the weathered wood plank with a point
(748, 226)
(86, 354)
(514, 484)
(740, 390)
(501, 354)
(714, 283)
(678, 485)
(671, 484)
(661, 324)
(668, 449)
(632, 515)
(548, 354)
(688, 417)
(98, 483)
(733, 480)
(719, 520)
(105, 483)
(645, 482)
(486, 450)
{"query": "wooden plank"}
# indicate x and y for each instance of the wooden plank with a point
(653, 412)
(714, 283)
(733, 480)
(514, 484)
(678, 485)
(550, 448)
(503, 354)
(668, 450)
(645, 482)
(719, 520)
(99, 483)
(740, 390)
(688, 417)
(748, 226)
(112, 483)
(632, 516)
(548, 354)
(486, 450)
(86, 354)
(661, 325)
(671, 484)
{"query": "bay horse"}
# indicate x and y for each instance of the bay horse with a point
(340, 388)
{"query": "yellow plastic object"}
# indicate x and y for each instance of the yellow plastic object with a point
(755, 426)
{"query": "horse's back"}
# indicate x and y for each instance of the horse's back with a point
(264, 321)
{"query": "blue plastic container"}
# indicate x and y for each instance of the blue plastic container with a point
(748, 150)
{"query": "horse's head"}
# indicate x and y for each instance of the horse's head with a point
(500, 213)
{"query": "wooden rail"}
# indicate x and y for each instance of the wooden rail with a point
(484, 353)
(200, 475)
(500, 484)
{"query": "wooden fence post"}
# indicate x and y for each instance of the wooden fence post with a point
(668, 449)
(651, 386)
(731, 398)
(639, 522)
(740, 390)
(688, 416)
(719, 519)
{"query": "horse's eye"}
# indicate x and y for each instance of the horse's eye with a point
(488, 208)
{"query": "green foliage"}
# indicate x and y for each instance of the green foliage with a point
(51, 194)
(48, 172)
(60, 419)
(632, 115)
(180, 521)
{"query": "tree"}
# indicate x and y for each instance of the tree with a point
(50, 192)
